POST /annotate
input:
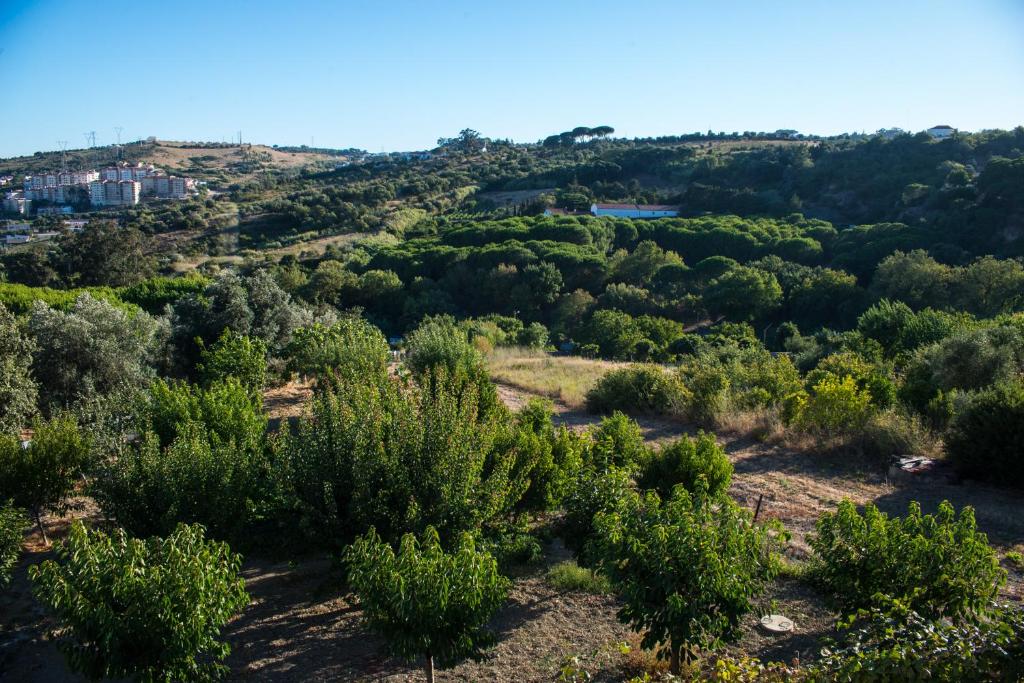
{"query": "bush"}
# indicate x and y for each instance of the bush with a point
(891, 642)
(12, 530)
(834, 407)
(349, 349)
(986, 438)
(939, 564)
(685, 462)
(400, 458)
(893, 432)
(18, 390)
(591, 493)
(617, 442)
(686, 569)
(148, 609)
(235, 356)
(40, 477)
(197, 478)
(423, 601)
(638, 388)
(569, 576)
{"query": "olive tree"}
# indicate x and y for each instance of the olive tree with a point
(12, 528)
(424, 601)
(150, 609)
(92, 349)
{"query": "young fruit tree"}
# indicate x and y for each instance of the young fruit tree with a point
(148, 609)
(424, 601)
(12, 528)
(686, 569)
(42, 474)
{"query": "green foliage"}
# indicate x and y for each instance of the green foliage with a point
(18, 391)
(237, 356)
(151, 610)
(196, 478)
(13, 524)
(424, 601)
(569, 576)
(868, 376)
(697, 464)
(156, 293)
(892, 642)
(834, 407)
(41, 476)
(617, 442)
(229, 411)
(592, 492)
(638, 388)
(92, 349)
(400, 458)
(986, 438)
(348, 349)
(743, 294)
(940, 565)
(687, 569)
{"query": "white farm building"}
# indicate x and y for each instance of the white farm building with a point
(635, 210)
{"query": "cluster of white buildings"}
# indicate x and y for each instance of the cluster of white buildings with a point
(622, 211)
(121, 185)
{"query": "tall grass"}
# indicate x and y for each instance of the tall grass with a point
(563, 378)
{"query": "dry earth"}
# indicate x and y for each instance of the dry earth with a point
(301, 627)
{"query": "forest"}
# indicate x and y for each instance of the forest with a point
(831, 308)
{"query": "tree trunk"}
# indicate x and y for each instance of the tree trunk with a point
(673, 666)
(39, 523)
(430, 668)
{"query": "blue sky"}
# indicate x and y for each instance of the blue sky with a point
(399, 74)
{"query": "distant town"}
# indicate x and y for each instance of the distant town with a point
(124, 184)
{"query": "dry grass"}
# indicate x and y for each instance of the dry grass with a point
(566, 379)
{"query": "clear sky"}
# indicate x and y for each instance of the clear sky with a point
(397, 74)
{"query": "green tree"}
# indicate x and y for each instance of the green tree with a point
(152, 609)
(687, 569)
(18, 391)
(986, 439)
(350, 348)
(92, 349)
(104, 253)
(743, 293)
(12, 530)
(695, 463)
(40, 476)
(237, 356)
(423, 601)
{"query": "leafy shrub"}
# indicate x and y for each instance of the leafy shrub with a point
(895, 432)
(556, 454)
(617, 442)
(40, 477)
(592, 492)
(197, 478)
(12, 530)
(400, 458)
(439, 342)
(939, 564)
(228, 411)
(569, 576)
(423, 601)
(149, 609)
(891, 642)
(638, 388)
(868, 376)
(350, 348)
(235, 356)
(18, 391)
(686, 461)
(686, 569)
(986, 438)
(834, 407)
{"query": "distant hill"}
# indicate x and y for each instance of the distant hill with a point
(213, 162)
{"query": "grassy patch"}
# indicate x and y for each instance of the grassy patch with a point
(569, 576)
(564, 378)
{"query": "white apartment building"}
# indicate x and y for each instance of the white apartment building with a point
(115, 192)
